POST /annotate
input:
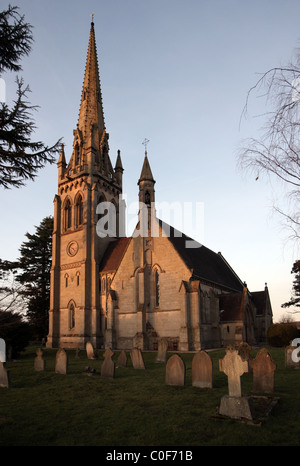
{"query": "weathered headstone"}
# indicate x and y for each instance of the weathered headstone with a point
(263, 372)
(175, 371)
(291, 355)
(137, 358)
(235, 405)
(245, 350)
(2, 350)
(108, 366)
(4, 376)
(202, 373)
(122, 359)
(162, 350)
(90, 352)
(39, 363)
(234, 367)
(61, 362)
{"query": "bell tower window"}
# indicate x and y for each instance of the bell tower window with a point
(79, 211)
(67, 215)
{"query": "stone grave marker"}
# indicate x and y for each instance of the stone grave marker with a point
(263, 372)
(162, 350)
(291, 355)
(235, 405)
(108, 366)
(61, 362)
(90, 352)
(39, 362)
(175, 371)
(2, 350)
(122, 359)
(4, 376)
(202, 370)
(137, 358)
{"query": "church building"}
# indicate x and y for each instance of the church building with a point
(124, 292)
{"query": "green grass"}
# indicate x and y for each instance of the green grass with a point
(136, 408)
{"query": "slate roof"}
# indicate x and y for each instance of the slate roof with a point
(205, 263)
(114, 254)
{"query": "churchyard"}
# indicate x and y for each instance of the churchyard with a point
(115, 400)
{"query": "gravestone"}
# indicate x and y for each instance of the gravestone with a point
(175, 371)
(137, 358)
(263, 372)
(39, 363)
(90, 352)
(108, 366)
(202, 374)
(61, 362)
(162, 350)
(245, 350)
(291, 355)
(122, 359)
(235, 405)
(2, 350)
(4, 376)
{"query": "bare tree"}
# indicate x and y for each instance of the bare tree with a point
(277, 151)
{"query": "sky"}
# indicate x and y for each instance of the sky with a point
(176, 72)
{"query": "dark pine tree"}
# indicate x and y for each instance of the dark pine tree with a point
(34, 274)
(20, 156)
(295, 300)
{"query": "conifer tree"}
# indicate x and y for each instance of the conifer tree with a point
(295, 300)
(20, 156)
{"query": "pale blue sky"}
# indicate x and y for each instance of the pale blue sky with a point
(177, 73)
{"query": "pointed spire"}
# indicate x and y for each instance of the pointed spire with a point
(146, 173)
(119, 165)
(91, 110)
(62, 157)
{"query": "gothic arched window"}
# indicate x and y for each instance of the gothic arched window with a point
(79, 211)
(71, 315)
(67, 215)
(156, 282)
(77, 154)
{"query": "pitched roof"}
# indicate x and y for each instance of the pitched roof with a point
(204, 263)
(231, 307)
(114, 254)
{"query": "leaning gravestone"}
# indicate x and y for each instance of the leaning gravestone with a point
(137, 358)
(39, 363)
(122, 359)
(175, 371)
(4, 376)
(162, 350)
(235, 405)
(263, 372)
(291, 355)
(61, 362)
(202, 374)
(90, 352)
(108, 366)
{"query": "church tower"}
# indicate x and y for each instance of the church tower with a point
(88, 180)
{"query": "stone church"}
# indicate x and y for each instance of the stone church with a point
(123, 292)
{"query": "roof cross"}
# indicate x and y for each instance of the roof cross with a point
(145, 142)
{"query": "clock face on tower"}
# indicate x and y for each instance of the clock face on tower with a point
(72, 248)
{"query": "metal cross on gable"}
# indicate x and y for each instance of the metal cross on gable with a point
(145, 142)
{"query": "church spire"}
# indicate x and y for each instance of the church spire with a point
(91, 109)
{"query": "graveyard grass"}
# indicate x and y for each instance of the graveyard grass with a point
(136, 408)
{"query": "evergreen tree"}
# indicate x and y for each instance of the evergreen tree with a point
(34, 274)
(20, 157)
(295, 300)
